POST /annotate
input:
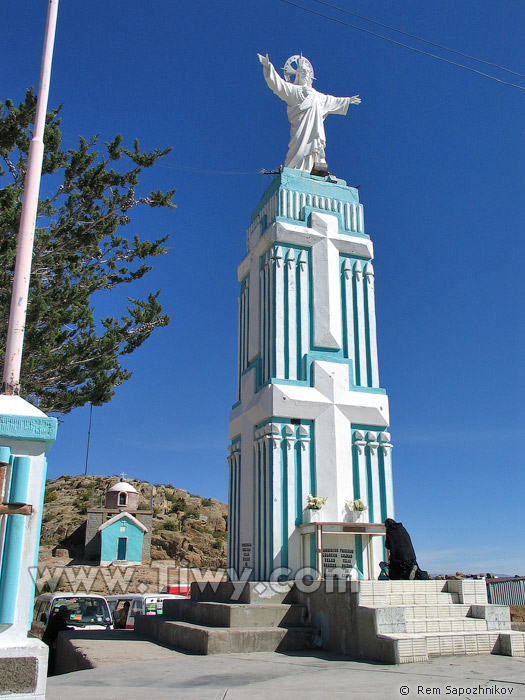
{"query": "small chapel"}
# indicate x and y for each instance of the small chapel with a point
(119, 533)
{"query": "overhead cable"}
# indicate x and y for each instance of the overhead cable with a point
(188, 169)
(399, 43)
(413, 36)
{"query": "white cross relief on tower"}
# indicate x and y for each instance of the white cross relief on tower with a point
(326, 243)
(331, 405)
(327, 294)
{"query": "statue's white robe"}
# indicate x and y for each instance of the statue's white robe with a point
(306, 111)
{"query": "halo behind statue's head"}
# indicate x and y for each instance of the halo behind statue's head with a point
(292, 65)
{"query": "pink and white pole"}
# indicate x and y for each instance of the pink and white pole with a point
(26, 234)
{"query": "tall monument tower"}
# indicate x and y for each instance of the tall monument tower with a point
(311, 417)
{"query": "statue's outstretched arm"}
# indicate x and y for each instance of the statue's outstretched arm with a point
(264, 60)
(274, 81)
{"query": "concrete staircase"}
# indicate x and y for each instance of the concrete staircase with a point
(392, 622)
(416, 620)
(232, 617)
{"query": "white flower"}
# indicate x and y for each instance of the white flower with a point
(315, 502)
(356, 504)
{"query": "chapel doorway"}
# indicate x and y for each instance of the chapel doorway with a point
(121, 548)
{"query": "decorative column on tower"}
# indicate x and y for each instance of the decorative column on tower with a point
(311, 417)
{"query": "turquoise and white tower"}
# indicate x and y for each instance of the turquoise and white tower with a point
(311, 417)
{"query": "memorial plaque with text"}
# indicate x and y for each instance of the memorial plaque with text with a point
(338, 561)
(246, 553)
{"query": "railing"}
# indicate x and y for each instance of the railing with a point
(506, 591)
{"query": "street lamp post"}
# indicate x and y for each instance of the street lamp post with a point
(26, 234)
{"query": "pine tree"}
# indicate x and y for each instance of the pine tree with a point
(70, 356)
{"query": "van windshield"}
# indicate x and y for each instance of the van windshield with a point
(84, 611)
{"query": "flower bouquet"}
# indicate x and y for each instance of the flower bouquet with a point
(313, 508)
(355, 510)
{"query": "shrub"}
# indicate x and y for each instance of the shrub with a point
(50, 496)
(191, 512)
(170, 525)
(82, 501)
(177, 504)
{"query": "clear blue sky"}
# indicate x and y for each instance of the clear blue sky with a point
(439, 154)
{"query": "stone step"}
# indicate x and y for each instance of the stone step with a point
(403, 599)
(383, 587)
(244, 592)
(426, 612)
(201, 639)
(470, 591)
(465, 624)
(238, 615)
(420, 647)
(512, 643)
(423, 612)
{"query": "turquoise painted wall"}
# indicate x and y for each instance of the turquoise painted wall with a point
(109, 537)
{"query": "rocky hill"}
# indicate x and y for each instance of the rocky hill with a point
(188, 530)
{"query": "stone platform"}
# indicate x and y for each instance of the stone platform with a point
(232, 618)
(391, 622)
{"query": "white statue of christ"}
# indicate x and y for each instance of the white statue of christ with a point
(307, 110)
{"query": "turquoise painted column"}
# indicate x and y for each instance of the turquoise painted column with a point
(5, 460)
(13, 541)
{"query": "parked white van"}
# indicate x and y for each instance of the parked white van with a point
(139, 604)
(85, 611)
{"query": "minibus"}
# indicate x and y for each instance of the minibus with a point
(140, 604)
(85, 611)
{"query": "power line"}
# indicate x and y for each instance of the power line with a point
(188, 169)
(413, 36)
(399, 43)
